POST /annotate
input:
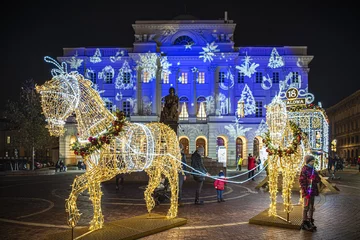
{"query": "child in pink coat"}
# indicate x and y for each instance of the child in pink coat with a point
(219, 185)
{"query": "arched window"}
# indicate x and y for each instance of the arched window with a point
(201, 108)
(201, 142)
(185, 142)
(184, 40)
(239, 148)
(184, 115)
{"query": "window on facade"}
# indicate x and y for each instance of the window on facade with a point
(126, 77)
(8, 140)
(201, 77)
(184, 40)
(352, 139)
(126, 108)
(92, 76)
(276, 77)
(108, 77)
(357, 139)
(184, 115)
(201, 108)
(241, 77)
(221, 77)
(166, 78)
(258, 77)
(295, 77)
(258, 112)
(146, 77)
(184, 78)
(109, 105)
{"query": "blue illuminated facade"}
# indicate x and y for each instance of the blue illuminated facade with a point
(223, 89)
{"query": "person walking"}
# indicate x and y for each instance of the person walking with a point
(251, 166)
(199, 172)
(239, 163)
(219, 185)
(309, 178)
(182, 176)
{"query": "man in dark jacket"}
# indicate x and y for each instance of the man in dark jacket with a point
(309, 178)
(182, 176)
(199, 172)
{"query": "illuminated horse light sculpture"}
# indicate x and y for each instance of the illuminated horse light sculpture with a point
(153, 147)
(286, 145)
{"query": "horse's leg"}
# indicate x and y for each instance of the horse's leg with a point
(95, 197)
(154, 174)
(78, 186)
(173, 176)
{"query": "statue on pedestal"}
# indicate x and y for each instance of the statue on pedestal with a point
(170, 114)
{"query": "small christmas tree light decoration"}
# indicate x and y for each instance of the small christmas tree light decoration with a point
(125, 72)
(249, 101)
(97, 56)
(275, 60)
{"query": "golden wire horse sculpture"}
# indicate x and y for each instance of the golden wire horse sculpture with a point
(286, 145)
(153, 147)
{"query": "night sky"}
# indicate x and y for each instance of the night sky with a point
(32, 31)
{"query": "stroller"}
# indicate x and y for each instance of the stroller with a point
(162, 192)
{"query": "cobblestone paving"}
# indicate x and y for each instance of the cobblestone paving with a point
(33, 206)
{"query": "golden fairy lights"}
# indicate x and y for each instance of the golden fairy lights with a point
(108, 144)
(283, 142)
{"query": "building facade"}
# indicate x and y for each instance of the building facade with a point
(223, 89)
(345, 127)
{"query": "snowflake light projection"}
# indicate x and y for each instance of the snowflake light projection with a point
(165, 66)
(106, 70)
(230, 78)
(269, 82)
(209, 52)
(236, 130)
(125, 79)
(249, 101)
(247, 68)
(96, 58)
(75, 62)
(148, 62)
(275, 60)
(119, 54)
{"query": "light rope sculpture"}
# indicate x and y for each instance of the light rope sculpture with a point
(108, 143)
(285, 146)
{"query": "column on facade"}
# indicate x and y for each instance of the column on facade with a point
(231, 153)
(212, 140)
(156, 91)
(193, 101)
(215, 72)
(232, 103)
(192, 145)
(139, 91)
(249, 145)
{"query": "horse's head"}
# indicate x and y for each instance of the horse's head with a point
(59, 97)
(276, 119)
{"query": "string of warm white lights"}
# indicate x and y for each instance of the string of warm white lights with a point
(113, 146)
(285, 153)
